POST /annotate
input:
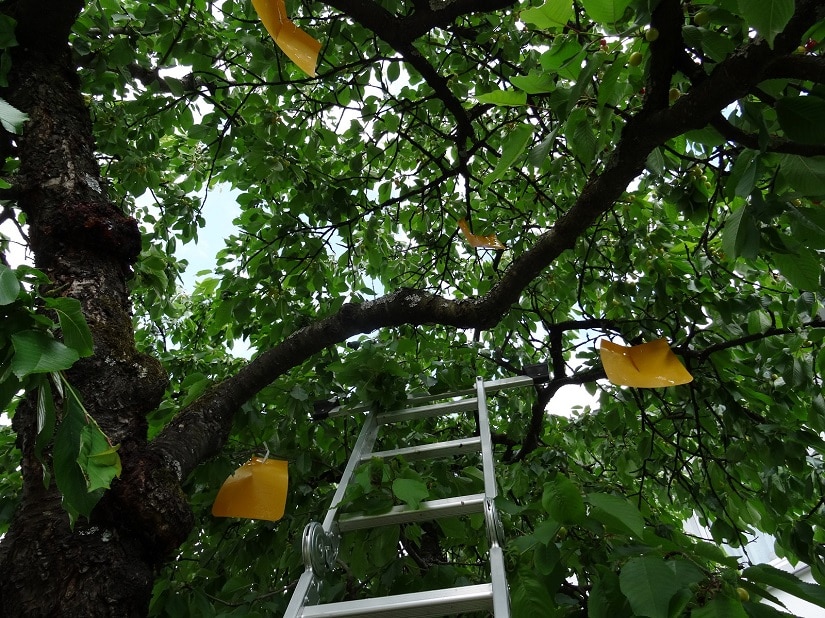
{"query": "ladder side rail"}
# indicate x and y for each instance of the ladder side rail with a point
(498, 578)
(299, 596)
(364, 444)
(490, 490)
(307, 586)
(498, 575)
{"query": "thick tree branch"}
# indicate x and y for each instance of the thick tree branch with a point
(402, 31)
(200, 430)
(810, 68)
(750, 140)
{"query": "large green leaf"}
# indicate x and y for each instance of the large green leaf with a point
(803, 269)
(786, 582)
(563, 501)
(649, 586)
(503, 97)
(410, 491)
(802, 118)
(37, 352)
(803, 174)
(606, 11)
(68, 474)
(767, 17)
(512, 148)
(720, 607)
(98, 459)
(740, 236)
(553, 14)
(45, 418)
(534, 82)
(618, 514)
(11, 118)
(9, 285)
(76, 333)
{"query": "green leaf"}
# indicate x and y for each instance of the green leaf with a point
(97, 458)
(802, 118)
(786, 582)
(503, 98)
(538, 153)
(740, 236)
(76, 333)
(649, 585)
(9, 285)
(514, 144)
(579, 133)
(767, 17)
(760, 610)
(606, 11)
(410, 491)
(553, 14)
(617, 514)
(803, 174)
(563, 501)
(37, 352)
(11, 118)
(720, 607)
(802, 270)
(45, 418)
(72, 483)
(535, 82)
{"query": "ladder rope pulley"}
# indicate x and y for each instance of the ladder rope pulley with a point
(320, 540)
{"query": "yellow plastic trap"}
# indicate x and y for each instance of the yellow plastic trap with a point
(477, 240)
(299, 47)
(256, 490)
(649, 365)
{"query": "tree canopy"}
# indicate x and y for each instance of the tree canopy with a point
(464, 187)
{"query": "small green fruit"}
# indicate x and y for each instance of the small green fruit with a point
(702, 18)
(635, 59)
(743, 594)
(652, 34)
(674, 94)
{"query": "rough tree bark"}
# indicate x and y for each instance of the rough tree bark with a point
(86, 245)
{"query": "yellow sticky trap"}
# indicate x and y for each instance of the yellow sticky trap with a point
(649, 365)
(482, 242)
(299, 47)
(256, 490)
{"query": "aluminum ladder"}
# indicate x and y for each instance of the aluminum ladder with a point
(320, 541)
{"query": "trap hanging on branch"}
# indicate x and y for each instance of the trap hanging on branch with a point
(256, 490)
(649, 365)
(479, 241)
(299, 47)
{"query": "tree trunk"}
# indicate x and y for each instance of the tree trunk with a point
(104, 567)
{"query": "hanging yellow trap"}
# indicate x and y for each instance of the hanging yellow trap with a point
(299, 47)
(477, 240)
(649, 365)
(256, 490)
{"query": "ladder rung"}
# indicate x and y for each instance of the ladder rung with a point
(444, 602)
(435, 409)
(430, 451)
(427, 511)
